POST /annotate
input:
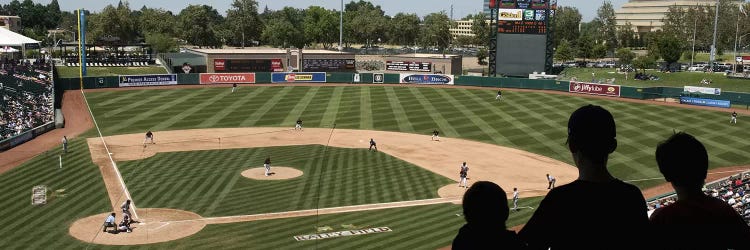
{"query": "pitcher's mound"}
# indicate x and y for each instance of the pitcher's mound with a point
(452, 191)
(277, 173)
(156, 225)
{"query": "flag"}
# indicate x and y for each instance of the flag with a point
(742, 9)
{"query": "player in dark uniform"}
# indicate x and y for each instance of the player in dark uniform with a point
(267, 165)
(373, 145)
(499, 95)
(734, 118)
(234, 87)
(435, 136)
(149, 137)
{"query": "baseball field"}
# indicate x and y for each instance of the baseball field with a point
(201, 184)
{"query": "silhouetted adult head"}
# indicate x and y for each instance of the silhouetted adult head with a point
(683, 160)
(485, 203)
(591, 133)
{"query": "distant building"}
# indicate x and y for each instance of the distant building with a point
(12, 23)
(646, 15)
(462, 28)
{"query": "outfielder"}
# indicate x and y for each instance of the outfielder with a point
(515, 199)
(499, 95)
(551, 181)
(267, 165)
(65, 144)
(734, 118)
(234, 87)
(462, 174)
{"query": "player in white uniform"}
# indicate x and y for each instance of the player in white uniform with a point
(298, 125)
(515, 199)
(149, 137)
(551, 181)
(734, 118)
(435, 136)
(499, 95)
(267, 165)
(463, 175)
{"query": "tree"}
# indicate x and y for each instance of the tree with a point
(644, 62)
(608, 33)
(625, 56)
(481, 56)
(585, 47)
(321, 26)
(567, 21)
(626, 35)
(53, 15)
(157, 21)
(435, 30)
(670, 48)
(368, 25)
(283, 28)
(564, 52)
(246, 23)
(113, 22)
(481, 29)
(198, 24)
(599, 51)
(161, 43)
(404, 29)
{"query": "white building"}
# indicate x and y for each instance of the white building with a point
(647, 15)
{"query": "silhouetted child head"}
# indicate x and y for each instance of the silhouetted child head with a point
(592, 132)
(485, 203)
(683, 160)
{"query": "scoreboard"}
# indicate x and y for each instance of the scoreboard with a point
(524, 16)
(328, 65)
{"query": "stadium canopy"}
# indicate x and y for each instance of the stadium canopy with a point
(10, 38)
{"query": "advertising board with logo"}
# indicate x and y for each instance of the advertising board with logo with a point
(147, 80)
(594, 89)
(426, 79)
(703, 90)
(247, 65)
(705, 102)
(378, 78)
(328, 65)
(216, 78)
(510, 14)
(408, 66)
(298, 77)
(524, 16)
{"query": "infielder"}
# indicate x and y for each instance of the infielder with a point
(234, 87)
(373, 145)
(267, 165)
(435, 136)
(734, 118)
(462, 174)
(499, 95)
(515, 199)
(149, 137)
(65, 144)
(298, 125)
(551, 181)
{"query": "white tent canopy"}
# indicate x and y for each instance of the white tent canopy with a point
(10, 38)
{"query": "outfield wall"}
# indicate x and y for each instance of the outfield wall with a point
(388, 78)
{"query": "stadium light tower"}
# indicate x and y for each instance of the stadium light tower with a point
(712, 56)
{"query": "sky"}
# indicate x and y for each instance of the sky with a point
(461, 8)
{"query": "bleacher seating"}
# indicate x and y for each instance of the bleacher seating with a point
(110, 60)
(26, 96)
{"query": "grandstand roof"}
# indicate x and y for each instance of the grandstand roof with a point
(10, 38)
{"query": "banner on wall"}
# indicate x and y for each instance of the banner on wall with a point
(298, 77)
(378, 78)
(215, 78)
(594, 89)
(426, 79)
(703, 90)
(147, 80)
(705, 102)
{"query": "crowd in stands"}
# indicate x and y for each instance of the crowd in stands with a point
(26, 96)
(120, 59)
(571, 217)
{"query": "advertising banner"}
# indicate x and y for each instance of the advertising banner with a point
(378, 78)
(705, 102)
(214, 78)
(510, 14)
(408, 66)
(298, 77)
(357, 78)
(147, 80)
(220, 65)
(426, 79)
(594, 89)
(703, 90)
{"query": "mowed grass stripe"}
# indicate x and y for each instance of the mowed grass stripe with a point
(296, 112)
(239, 104)
(365, 109)
(194, 108)
(398, 111)
(268, 105)
(138, 101)
(116, 100)
(433, 113)
(488, 130)
(329, 117)
(154, 111)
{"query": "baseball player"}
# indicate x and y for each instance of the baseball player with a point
(373, 145)
(298, 125)
(65, 144)
(267, 165)
(462, 174)
(435, 136)
(110, 222)
(499, 95)
(234, 87)
(515, 199)
(551, 181)
(149, 137)
(734, 118)
(126, 208)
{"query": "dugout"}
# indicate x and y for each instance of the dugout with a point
(275, 60)
(424, 63)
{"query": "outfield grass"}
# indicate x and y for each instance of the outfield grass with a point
(73, 72)
(678, 80)
(534, 122)
(338, 177)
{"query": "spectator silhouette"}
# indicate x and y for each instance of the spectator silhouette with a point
(596, 211)
(695, 220)
(485, 210)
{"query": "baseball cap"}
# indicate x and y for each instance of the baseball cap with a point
(591, 126)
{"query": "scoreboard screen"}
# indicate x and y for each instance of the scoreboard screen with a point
(524, 16)
(328, 65)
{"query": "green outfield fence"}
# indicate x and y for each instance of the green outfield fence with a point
(494, 82)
